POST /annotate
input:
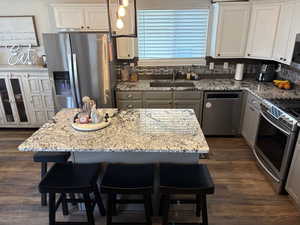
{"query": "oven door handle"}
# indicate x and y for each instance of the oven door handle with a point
(279, 128)
(264, 167)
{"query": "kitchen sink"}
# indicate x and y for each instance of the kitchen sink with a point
(171, 84)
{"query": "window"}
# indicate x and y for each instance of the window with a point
(172, 34)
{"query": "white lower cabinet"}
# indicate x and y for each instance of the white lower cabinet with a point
(13, 102)
(40, 94)
(26, 99)
(251, 119)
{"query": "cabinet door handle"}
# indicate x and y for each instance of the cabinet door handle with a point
(284, 59)
(82, 27)
(88, 27)
(249, 54)
(129, 106)
(219, 54)
(129, 96)
(253, 110)
(281, 58)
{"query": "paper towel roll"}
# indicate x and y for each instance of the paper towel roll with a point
(239, 71)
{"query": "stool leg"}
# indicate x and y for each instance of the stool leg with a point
(89, 209)
(109, 209)
(64, 204)
(99, 202)
(161, 205)
(204, 210)
(114, 203)
(43, 173)
(72, 197)
(52, 209)
(198, 205)
(148, 208)
(165, 210)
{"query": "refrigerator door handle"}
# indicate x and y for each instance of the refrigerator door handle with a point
(76, 79)
(71, 78)
(105, 72)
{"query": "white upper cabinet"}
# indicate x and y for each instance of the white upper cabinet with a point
(69, 17)
(284, 31)
(230, 29)
(294, 30)
(126, 48)
(83, 17)
(96, 18)
(262, 32)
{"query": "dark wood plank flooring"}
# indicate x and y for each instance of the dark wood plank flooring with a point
(243, 195)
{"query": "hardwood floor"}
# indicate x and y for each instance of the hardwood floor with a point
(243, 195)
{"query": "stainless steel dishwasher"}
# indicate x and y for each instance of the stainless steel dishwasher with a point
(222, 113)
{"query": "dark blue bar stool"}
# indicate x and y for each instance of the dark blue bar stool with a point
(129, 179)
(71, 178)
(186, 180)
(49, 157)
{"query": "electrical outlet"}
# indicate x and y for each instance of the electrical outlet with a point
(225, 66)
(211, 66)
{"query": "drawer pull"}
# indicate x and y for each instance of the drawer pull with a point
(129, 106)
(129, 96)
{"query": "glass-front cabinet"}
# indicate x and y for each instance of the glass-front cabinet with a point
(13, 108)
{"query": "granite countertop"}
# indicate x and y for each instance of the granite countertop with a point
(137, 130)
(261, 90)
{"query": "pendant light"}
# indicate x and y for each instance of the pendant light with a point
(122, 18)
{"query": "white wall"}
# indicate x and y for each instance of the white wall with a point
(44, 14)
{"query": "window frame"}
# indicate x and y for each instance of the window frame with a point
(181, 61)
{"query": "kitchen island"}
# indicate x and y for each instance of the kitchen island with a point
(134, 136)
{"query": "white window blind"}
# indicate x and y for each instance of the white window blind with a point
(172, 34)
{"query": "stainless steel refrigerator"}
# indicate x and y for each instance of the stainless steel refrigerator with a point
(82, 64)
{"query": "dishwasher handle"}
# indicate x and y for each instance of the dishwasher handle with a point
(223, 96)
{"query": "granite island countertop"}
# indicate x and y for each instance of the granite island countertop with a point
(136, 130)
(261, 90)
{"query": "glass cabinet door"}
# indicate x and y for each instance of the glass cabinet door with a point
(4, 94)
(19, 99)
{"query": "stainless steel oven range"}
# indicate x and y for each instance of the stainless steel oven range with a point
(276, 138)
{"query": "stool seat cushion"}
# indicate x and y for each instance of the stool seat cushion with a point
(70, 178)
(58, 157)
(184, 178)
(128, 177)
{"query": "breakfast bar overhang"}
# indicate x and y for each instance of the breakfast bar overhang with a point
(134, 136)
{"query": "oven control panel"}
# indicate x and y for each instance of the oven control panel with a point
(279, 114)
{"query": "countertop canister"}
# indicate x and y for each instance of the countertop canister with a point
(239, 71)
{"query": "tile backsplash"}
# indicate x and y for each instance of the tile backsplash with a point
(150, 72)
(289, 74)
